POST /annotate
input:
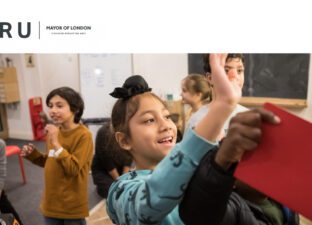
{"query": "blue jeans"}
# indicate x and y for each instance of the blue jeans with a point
(54, 221)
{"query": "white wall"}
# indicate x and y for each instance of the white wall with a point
(29, 86)
(57, 70)
(163, 71)
(50, 71)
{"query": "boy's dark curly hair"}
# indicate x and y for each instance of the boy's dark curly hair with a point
(207, 68)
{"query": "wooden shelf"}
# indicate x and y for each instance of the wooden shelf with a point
(283, 102)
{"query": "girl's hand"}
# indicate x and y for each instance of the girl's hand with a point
(226, 91)
(27, 150)
(52, 135)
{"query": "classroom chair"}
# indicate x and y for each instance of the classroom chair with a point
(15, 150)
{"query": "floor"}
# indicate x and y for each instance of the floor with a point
(98, 215)
(26, 198)
(305, 221)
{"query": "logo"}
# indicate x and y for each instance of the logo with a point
(7, 30)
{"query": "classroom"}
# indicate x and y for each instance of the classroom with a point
(94, 76)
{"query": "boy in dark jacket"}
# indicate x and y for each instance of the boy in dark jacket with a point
(210, 198)
(109, 161)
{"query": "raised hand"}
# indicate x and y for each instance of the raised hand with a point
(27, 150)
(225, 90)
(244, 135)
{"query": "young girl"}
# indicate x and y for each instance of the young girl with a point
(151, 193)
(67, 160)
(196, 93)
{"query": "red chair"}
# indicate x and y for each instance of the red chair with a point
(15, 150)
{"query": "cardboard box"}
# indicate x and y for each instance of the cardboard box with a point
(177, 107)
(9, 97)
(8, 87)
(8, 75)
(9, 92)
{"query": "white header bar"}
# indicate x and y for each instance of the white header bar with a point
(144, 26)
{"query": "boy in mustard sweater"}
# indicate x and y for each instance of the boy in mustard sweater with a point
(67, 160)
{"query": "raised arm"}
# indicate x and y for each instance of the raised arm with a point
(228, 94)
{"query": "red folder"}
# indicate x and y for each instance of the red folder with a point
(281, 166)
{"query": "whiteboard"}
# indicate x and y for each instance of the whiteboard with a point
(99, 75)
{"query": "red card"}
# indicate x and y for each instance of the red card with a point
(281, 167)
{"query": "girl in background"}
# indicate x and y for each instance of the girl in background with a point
(196, 93)
(66, 161)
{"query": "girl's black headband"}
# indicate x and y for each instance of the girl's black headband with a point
(134, 85)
